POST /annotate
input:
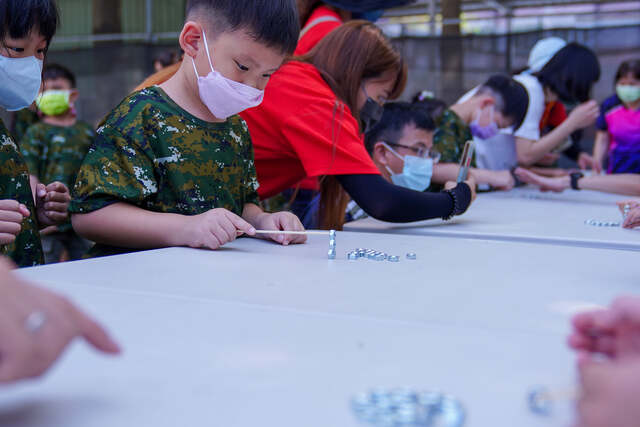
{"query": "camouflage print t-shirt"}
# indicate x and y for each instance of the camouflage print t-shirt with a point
(55, 153)
(26, 250)
(22, 120)
(450, 136)
(151, 153)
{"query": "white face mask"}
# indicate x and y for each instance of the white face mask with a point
(222, 96)
(20, 80)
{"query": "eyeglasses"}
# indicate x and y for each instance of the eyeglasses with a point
(419, 149)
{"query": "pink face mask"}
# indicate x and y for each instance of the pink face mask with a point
(222, 96)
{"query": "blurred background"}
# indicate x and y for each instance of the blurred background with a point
(450, 45)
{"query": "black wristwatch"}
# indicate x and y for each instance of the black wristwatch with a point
(575, 176)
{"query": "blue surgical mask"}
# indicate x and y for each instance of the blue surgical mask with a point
(416, 173)
(20, 80)
(483, 132)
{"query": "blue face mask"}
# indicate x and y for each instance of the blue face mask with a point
(20, 80)
(416, 173)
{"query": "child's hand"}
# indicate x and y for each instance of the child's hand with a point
(52, 203)
(285, 221)
(215, 228)
(12, 214)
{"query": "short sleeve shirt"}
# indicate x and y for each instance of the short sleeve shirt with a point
(151, 153)
(450, 136)
(608, 104)
(530, 128)
(23, 120)
(26, 250)
(303, 130)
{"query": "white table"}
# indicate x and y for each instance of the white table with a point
(257, 334)
(571, 196)
(509, 217)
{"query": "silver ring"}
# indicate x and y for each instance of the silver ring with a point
(35, 321)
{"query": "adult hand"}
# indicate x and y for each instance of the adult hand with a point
(502, 180)
(586, 161)
(609, 395)
(558, 184)
(37, 325)
(548, 159)
(52, 203)
(584, 115)
(12, 214)
(614, 332)
(214, 229)
(285, 221)
(633, 218)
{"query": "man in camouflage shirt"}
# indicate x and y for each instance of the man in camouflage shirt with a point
(25, 250)
(151, 153)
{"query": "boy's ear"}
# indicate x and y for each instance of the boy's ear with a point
(190, 38)
(487, 101)
(379, 153)
(73, 97)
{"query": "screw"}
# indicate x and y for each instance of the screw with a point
(394, 258)
(412, 256)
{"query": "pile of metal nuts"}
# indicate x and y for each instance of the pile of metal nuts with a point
(405, 407)
(372, 254)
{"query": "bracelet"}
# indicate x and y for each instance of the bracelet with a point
(454, 199)
(574, 180)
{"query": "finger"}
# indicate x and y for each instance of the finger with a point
(41, 190)
(11, 216)
(95, 334)
(56, 206)
(241, 224)
(12, 228)
(57, 187)
(227, 230)
(57, 216)
(6, 238)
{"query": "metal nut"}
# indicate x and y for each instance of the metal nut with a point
(394, 258)
(412, 256)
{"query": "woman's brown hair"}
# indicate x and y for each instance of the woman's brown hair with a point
(346, 58)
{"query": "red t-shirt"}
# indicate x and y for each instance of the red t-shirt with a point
(324, 20)
(302, 130)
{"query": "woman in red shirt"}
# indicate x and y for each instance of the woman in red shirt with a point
(311, 121)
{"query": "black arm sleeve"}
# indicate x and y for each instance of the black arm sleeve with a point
(388, 202)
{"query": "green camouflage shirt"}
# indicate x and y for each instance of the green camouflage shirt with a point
(55, 153)
(450, 136)
(151, 153)
(26, 250)
(22, 120)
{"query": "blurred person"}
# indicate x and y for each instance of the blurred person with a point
(618, 135)
(37, 325)
(164, 60)
(54, 149)
(565, 74)
(26, 30)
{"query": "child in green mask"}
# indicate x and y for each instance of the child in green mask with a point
(618, 126)
(54, 149)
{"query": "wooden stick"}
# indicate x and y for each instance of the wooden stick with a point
(319, 233)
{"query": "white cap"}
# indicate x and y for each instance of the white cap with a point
(543, 51)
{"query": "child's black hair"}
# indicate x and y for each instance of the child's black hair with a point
(18, 18)
(512, 99)
(433, 106)
(397, 116)
(571, 73)
(629, 67)
(272, 22)
(55, 71)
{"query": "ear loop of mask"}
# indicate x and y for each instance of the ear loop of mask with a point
(206, 47)
(395, 153)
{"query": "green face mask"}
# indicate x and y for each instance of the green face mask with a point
(628, 93)
(54, 102)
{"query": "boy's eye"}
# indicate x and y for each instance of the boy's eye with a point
(17, 49)
(266, 76)
(242, 67)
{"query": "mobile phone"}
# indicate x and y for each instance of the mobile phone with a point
(465, 162)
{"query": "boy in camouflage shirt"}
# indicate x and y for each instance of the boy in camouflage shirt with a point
(173, 164)
(54, 150)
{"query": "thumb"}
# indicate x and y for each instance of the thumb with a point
(41, 190)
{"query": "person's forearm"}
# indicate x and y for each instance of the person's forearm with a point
(601, 145)
(445, 172)
(530, 152)
(125, 225)
(626, 184)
